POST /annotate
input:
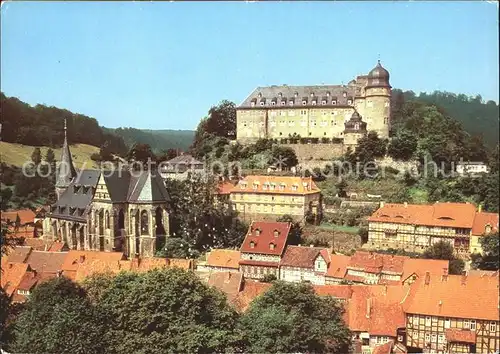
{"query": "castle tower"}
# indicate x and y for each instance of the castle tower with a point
(354, 129)
(65, 171)
(378, 101)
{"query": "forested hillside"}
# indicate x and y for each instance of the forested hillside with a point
(158, 140)
(42, 125)
(476, 116)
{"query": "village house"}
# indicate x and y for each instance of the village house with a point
(220, 260)
(268, 197)
(453, 313)
(417, 227)
(21, 223)
(304, 264)
(181, 167)
(263, 248)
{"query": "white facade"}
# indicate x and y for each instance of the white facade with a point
(471, 168)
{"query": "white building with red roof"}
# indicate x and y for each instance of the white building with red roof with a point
(305, 264)
(263, 248)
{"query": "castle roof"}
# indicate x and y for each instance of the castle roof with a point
(355, 124)
(378, 76)
(282, 95)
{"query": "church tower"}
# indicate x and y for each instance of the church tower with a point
(65, 170)
(378, 101)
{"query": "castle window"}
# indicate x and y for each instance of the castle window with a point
(283, 103)
(349, 101)
(323, 102)
(334, 102)
(273, 103)
(304, 103)
(327, 93)
(290, 103)
(386, 104)
(252, 104)
(314, 102)
(261, 103)
(344, 94)
(291, 113)
(296, 94)
(312, 94)
(280, 94)
(303, 112)
(260, 94)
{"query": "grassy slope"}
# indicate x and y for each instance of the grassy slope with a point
(17, 154)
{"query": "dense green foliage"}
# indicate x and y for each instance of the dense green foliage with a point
(444, 250)
(476, 116)
(291, 318)
(490, 260)
(200, 219)
(158, 140)
(58, 318)
(43, 126)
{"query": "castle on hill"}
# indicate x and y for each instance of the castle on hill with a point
(344, 112)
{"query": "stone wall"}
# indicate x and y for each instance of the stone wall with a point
(308, 152)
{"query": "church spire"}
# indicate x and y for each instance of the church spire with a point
(66, 171)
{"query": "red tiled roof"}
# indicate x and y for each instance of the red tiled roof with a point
(12, 274)
(420, 266)
(439, 214)
(18, 254)
(372, 262)
(385, 348)
(103, 260)
(482, 220)
(455, 296)
(305, 185)
(223, 258)
(266, 238)
(337, 267)
(224, 188)
(25, 215)
(229, 283)
(460, 335)
(37, 244)
(46, 262)
(377, 309)
(301, 257)
(250, 290)
(57, 247)
(334, 290)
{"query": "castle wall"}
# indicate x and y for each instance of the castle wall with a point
(307, 152)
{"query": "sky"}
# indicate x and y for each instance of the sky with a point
(162, 65)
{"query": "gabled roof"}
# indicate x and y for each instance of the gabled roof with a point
(372, 262)
(223, 258)
(455, 296)
(419, 267)
(338, 266)
(301, 257)
(228, 282)
(74, 258)
(261, 235)
(482, 220)
(251, 290)
(12, 274)
(282, 185)
(26, 216)
(146, 188)
(224, 188)
(439, 214)
(18, 254)
(46, 262)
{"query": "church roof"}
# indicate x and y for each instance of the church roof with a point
(123, 187)
(66, 170)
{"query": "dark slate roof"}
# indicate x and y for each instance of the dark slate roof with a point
(378, 76)
(147, 187)
(76, 199)
(355, 124)
(297, 93)
(66, 170)
(117, 183)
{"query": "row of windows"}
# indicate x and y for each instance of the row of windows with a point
(267, 208)
(271, 198)
(304, 103)
(467, 324)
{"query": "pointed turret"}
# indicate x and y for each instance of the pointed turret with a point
(66, 171)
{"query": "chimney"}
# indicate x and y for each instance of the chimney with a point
(382, 204)
(406, 204)
(368, 307)
(440, 303)
(479, 208)
(427, 278)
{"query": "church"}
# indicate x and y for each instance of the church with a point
(99, 210)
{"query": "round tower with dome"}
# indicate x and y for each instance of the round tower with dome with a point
(377, 110)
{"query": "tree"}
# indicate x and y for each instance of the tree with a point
(490, 260)
(341, 187)
(58, 318)
(168, 310)
(50, 156)
(141, 153)
(403, 146)
(291, 318)
(4, 315)
(444, 250)
(221, 120)
(36, 156)
(284, 157)
(295, 234)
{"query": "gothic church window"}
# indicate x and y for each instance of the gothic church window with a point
(144, 223)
